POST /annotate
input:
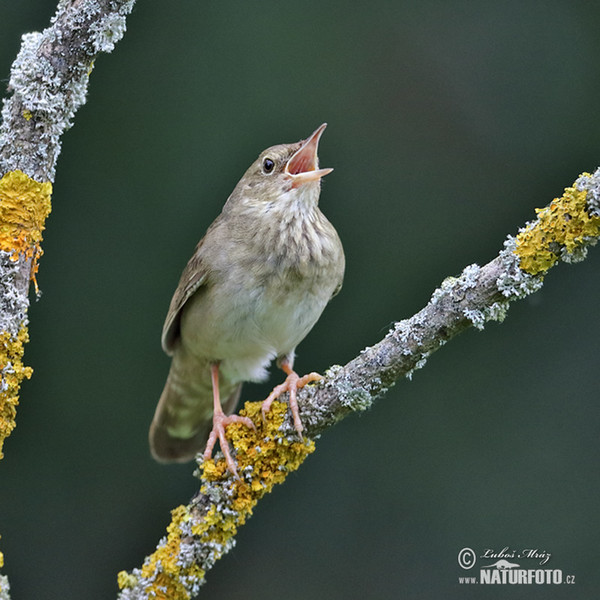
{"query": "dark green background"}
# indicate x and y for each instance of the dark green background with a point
(448, 123)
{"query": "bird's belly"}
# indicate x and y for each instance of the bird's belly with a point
(249, 328)
(284, 320)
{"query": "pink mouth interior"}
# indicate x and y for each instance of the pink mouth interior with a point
(302, 161)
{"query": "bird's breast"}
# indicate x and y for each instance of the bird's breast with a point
(264, 295)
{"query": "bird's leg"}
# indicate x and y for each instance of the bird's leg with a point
(220, 421)
(292, 383)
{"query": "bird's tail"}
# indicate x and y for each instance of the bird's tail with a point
(183, 421)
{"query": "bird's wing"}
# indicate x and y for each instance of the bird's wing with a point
(337, 290)
(192, 278)
(342, 267)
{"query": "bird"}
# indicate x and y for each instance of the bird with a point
(254, 287)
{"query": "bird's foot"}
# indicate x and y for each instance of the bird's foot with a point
(293, 382)
(220, 422)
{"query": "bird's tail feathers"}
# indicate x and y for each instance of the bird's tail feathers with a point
(182, 423)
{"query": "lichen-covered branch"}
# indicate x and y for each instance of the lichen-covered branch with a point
(49, 80)
(203, 531)
(48, 83)
(4, 585)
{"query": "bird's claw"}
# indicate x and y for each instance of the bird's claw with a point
(220, 422)
(293, 382)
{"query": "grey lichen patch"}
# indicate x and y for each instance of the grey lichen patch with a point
(49, 96)
(591, 185)
(334, 371)
(192, 553)
(14, 282)
(49, 81)
(513, 282)
(579, 253)
(442, 292)
(418, 365)
(406, 335)
(4, 588)
(479, 317)
(351, 395)
(467, 280)
(109, 31)
(456, 289)
(470, 276)
(219, 494)
(496, 312)
(458, 293)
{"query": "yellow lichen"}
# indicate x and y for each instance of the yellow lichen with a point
(27, 115)
(264, 458)
(564, 224)
(24, 206)
(126, 580)
(263, 453)
(13, 372)
(163, 568)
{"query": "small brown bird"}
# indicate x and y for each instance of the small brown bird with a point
(255, 286)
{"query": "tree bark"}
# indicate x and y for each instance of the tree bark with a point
(48, 83)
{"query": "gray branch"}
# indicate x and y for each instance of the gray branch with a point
(48, 83)
(49, 80)
(204, 530)
(478, 295)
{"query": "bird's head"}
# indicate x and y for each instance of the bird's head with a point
(282, 174)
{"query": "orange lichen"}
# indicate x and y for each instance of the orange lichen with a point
(563, 226)
(264, 457)
(13, 372)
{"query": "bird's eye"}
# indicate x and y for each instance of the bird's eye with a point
(268, 165)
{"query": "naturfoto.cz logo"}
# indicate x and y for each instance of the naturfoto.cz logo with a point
(510, 567)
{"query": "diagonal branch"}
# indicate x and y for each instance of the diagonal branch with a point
(204, 530)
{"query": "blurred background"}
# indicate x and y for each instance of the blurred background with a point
(449, 122)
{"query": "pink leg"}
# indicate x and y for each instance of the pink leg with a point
(291, 384)
(220, 421)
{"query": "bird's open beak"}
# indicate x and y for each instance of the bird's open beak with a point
(303, 166)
